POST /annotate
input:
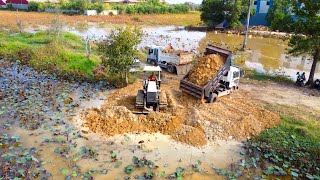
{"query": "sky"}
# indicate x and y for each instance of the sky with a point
(183, 1)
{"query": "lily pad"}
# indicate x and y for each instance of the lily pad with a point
(64, 171)
(129, 169)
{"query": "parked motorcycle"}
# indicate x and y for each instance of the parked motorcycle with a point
(317, 84)
(300, 79)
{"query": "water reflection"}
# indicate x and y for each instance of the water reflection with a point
(268, 54)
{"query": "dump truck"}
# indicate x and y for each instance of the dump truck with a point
(150, 97)
(174, 62)
(223, 83)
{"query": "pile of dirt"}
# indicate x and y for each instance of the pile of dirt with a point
(186, 119)
(205, 69)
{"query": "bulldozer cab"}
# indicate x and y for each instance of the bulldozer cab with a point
(151, 96)
(152, 73)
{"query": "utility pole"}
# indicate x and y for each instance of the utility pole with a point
(247, 27)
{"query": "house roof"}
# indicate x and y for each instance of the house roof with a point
(2, 3)
(17, 1)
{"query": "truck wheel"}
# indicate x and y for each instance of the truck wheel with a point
(170, 69)
(212, 98)
(156, 108)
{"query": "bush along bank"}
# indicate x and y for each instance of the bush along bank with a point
(290, 150)
(64, 55)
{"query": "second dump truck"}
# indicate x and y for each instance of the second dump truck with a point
(174, 62)
(223, 83)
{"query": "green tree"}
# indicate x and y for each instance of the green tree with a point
(119, 50)
(308, 24)
(235, 13)
(33, 6)
(279, 15)
(213, 12)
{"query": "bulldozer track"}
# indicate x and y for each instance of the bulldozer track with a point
(140, 100)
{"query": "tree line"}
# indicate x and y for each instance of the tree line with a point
(148, 7)
(151, 7)
(77, 5)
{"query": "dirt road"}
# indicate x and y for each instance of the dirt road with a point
(285, 96)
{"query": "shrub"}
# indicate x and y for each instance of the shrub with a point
(96, 6)
(10, 6)
(107, 6)
(41, 7)
(33, 6)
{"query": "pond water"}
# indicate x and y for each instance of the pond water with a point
(267, 55)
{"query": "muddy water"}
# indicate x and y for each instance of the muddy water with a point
(267, 55)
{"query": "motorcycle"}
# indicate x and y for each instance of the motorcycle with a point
(300, 79)
(317, 84)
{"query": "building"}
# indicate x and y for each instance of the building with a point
(18, 4)
(261, 7)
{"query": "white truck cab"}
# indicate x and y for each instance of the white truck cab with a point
(232, 78)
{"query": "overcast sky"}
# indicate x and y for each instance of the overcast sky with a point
(183, 1)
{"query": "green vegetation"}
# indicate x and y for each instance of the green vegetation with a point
(65, 56)
(151, 7)
(293, 134)
(279, 15)
(290, 150)
(308, 24)
(119, 50)
(148, 7)
(213, 12)
(77, 5)
(304, 25)
(253, 74)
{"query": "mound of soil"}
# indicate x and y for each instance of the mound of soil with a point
(186, 119)
(205, 69)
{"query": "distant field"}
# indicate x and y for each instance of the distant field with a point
(9, 19)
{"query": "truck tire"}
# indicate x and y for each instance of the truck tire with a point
(212, 98)
(317, 84)
(170, 69)
(156, 108)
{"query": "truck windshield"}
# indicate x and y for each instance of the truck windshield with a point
(150, 51)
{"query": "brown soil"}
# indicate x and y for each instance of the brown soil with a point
(186, 119)
(205, 69)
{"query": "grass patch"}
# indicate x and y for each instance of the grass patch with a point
(290, 150)
(293, 134)
(253, 74)
(64, 55)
